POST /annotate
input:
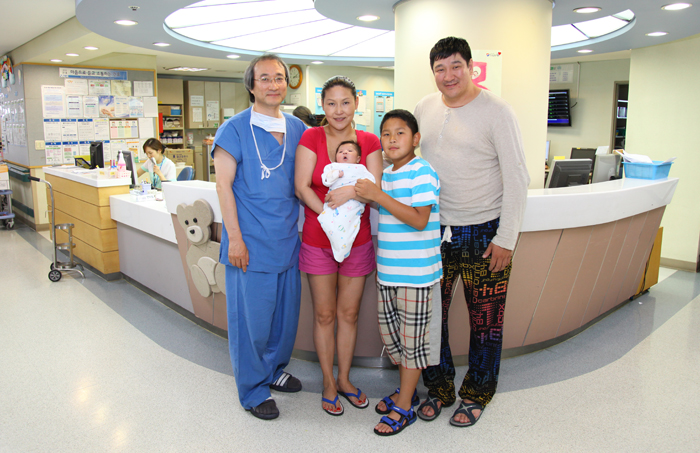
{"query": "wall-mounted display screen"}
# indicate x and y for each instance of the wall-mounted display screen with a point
(559, 109)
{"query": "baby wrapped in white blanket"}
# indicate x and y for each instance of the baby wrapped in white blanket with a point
(343, 223)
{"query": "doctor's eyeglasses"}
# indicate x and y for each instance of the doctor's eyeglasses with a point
(267, 81)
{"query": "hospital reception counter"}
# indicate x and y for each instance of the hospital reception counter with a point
(582, 252)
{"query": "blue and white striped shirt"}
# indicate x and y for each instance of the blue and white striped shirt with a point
(407, 256)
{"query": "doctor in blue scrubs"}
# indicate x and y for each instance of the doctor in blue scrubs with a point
(254, 155)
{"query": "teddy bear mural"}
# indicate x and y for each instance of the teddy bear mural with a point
(208, 275)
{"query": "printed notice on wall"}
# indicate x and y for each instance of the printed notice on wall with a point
(99, 87)
(101, 128)
(74, 105)
(54, 153)
(487, 72)
(196, 115)
(196, 101)
(86, 130)
(143, 88)
(90, 106)
(77, 87)
(53, 99)
(52, 130)
(212, 110)
(121, 88)
(563, 73)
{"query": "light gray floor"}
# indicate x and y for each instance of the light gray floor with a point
(88, 365)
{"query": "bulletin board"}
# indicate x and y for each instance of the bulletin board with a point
(65, 108)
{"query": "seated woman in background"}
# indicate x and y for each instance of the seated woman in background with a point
(159, 167)
(305, 115)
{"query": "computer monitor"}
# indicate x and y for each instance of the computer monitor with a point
(569, 172)
(97, 158)
(130, 165)
(546, 152)
(606, 168)
(583, 153)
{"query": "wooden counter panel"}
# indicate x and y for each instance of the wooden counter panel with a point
(642, 252)
(614, 295)
(102, 240)
(531, 263)
(587, 277)
(107, 262)
(93, 195)
(556, 293)
(606, 271)
(97, 216)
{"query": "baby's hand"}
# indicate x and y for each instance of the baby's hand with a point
(340, 173)
(367, 189)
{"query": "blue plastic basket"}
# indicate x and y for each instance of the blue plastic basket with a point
(655, 170)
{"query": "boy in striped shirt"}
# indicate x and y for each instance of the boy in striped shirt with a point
(409, 264)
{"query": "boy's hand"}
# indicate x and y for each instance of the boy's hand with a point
(367, 189)
(500, 257)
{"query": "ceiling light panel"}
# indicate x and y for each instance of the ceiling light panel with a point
(233, 10)
(627, 15)
(331, 43)
(599, 27)
(676, 6)
(217, 2)
(284, 36)
(566, 34)
(380, 46)
(235, 28)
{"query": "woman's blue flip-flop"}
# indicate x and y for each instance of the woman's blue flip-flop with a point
(338, 410)
(347, 396)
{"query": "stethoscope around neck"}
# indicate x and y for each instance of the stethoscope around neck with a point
(265, 170)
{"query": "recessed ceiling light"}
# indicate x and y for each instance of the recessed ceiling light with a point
(161, 44)
(676, 6)
(185, 68)
(232, 56)
(585, 51)
(72, 55)
(587, 10)
(90, 48)
(657, 33)
(316, 62)
(57, 61)
(368, 18)
(125, 22)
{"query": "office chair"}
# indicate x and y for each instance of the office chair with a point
(186, 174)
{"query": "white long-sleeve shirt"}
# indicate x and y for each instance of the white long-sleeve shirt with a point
(478, 154)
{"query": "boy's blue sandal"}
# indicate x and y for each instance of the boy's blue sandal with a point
(389, 403)
(468, 410)
(338, 410)
(431, 402)
(355, 395)
(406, 418)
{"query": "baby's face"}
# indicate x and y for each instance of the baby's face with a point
(347, 154)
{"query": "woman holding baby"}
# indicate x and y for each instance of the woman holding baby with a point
(336, 287)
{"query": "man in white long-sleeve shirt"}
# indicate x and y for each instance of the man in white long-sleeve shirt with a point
(472, 139)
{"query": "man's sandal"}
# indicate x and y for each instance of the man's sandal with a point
(431, 403)
(468, 410)
(389, 403)
(357, 395)
(406, 418)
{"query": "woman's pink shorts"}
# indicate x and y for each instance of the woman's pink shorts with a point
(320, 261)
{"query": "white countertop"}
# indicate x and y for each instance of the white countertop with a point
(87, 177)
(595, 204)
(547, 209)
(151, 217)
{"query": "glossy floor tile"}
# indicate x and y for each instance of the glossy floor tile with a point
(89, 366)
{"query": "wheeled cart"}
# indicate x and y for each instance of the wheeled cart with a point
(6, 215)
(57, 266)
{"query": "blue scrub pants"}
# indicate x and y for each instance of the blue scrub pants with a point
(263, 315)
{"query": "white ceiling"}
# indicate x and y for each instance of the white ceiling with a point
(21, 24)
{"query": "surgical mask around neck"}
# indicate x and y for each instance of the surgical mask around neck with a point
(268, 123)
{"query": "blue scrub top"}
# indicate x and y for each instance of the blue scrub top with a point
(268, 209)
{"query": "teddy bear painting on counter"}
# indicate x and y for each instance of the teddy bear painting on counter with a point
(202, 256)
